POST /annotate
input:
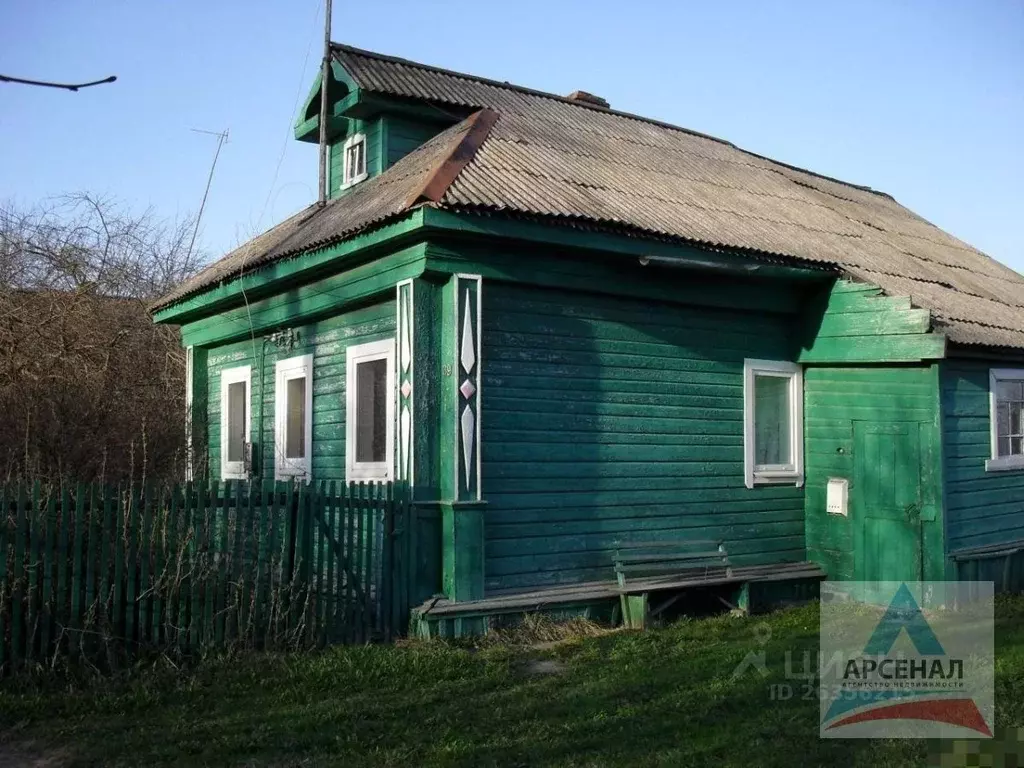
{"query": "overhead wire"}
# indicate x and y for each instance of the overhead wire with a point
(259, 359)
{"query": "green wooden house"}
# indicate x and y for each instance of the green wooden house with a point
(566, 327)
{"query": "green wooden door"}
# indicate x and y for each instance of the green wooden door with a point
(888, 500)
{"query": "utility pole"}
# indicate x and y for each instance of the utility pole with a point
(222, 138)
(325, 75)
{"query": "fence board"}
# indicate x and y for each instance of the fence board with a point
(260, 564)
(4, 538)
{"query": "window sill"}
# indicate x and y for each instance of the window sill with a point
(356, 180)
(367, 475)
(291, 473)
(776, 479)
(1005, 464)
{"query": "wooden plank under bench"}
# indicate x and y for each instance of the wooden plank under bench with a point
(574, 594)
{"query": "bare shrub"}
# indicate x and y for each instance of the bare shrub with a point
(90, 388)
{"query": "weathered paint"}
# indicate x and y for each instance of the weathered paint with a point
(372, 128)
(854, 323)
(311, 302)
(843, 406)
(982, 507)
(327, 340)
(611, 274)
(608, 417)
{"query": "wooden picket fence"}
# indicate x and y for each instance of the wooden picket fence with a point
(98, 574)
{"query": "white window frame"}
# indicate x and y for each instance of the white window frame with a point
(284, 371)
(776, 473)
(369, 470)
(234, 470)
(1000, 463)
(346, 180)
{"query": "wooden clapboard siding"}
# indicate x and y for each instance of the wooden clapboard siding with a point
(374, 158)
(834, 399)
(982, 507)
(403, 134)
(855, 323)
(327, 340)
(607, 418)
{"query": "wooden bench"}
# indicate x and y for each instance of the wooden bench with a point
(643, 568)
(968, 562)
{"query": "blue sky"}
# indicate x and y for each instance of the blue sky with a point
(923, 100)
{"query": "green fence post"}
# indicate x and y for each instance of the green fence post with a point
(108, 541)
(142, 594)
(186, 536)
(91, 558)
(4, 497)
(172, 553)
(329, 545)
(61, 598)
(47, 597)
(273, 599)
(120, 543)
(222, 520)
(239, 582)
(199, 545)
(32, 572)
(159, 583)
(132, 566)
(77, 569)
(18, 576)
(259, 587)
(351, 508)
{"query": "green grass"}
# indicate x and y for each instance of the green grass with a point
(662, 697)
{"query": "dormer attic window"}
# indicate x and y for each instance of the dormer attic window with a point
(354, 154)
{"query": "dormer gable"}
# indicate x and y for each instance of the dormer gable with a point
(367, 132)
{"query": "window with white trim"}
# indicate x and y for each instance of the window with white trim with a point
(1006, 394)
(353, 156)
(370, 411)
(235, 422)
(773, 441)
(293, 417)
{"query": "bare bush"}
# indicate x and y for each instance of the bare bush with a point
(90, 388)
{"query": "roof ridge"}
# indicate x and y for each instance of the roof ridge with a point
(343, 47)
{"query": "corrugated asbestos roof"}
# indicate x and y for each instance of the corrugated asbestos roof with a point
(371, 202)
(569, 162)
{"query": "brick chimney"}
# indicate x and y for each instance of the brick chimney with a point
(588, 98)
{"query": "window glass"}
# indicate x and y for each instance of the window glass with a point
(355, 160)
(771, 421)
(295, 427)
(371, 411)
(236, 421)
(1010, 417)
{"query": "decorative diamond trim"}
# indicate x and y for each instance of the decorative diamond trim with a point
(468, 354)
(468, 423)
(467, 389)
(406, 353)
(406, 449)
(406, 389)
